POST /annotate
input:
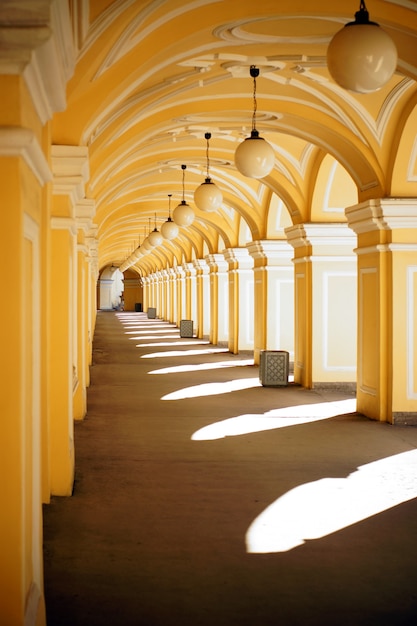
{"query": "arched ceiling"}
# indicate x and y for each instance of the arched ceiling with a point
(152, 77)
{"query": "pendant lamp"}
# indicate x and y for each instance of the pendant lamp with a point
(146, 243)
(183, 214)
(136, 254)
(254, 157)
(155, 237)
(208, 196)
(361, 57)
(169, 229)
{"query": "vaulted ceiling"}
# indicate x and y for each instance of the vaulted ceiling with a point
(152, 77)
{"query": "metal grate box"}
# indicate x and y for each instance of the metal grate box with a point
(151, 313)
(274, 367)
(186, 328)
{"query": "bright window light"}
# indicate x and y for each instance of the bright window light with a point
(277, 418)
(212, 389)
(179, 369)
(322, 507)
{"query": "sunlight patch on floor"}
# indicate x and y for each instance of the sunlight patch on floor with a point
(155, 333)
(277, 418)
(212, 389)
(179, 369)
(171, 353)
(169, 343)
(316, 509)
(140, 338)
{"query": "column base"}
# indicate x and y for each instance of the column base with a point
(345, 387)
(404, 419)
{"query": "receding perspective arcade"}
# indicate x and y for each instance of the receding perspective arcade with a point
(248, 166)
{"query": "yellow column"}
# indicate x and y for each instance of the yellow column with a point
(172, 295)
(30, 90)
(85, 211)
(146, 281)
(70, 169)
(325, 304)
(273, 296)
(165, 294)
(387, 305)
(61, 364)
(180, 295)
(241, 301)
(202, 298)
(23, 173)
(219, 299)
(189, 310)
(155, 292)
(91, 304)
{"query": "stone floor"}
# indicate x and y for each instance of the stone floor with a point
(203, 498)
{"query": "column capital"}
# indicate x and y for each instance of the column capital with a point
(85, 211)
(322, 239)
(37, 43)
(22, 142)
(383, 214)
(270, 252)
(70, 169)
(165, 275)
(216, 262)
(201, 266)
(238, 258)
(189, 269)
(179, 271)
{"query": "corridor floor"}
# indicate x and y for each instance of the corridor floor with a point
(202, 498)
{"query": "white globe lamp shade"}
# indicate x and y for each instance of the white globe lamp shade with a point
(361, 57)
(254, 157)
(169, 229)
(137, 253)
(208, 196)
(147, 244)
(155, 238)
(183, 214)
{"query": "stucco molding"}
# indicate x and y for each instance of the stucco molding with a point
(217, 263)
(383, 214)
(70, 161)
(70, 168)
(22, 142)
(64, 223)
(238, 259)
(37, 43)
(322, 237)
(275, 252)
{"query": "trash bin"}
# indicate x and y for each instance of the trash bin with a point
(151, 313)
(274, 368)
(186, 328)
(138, 307)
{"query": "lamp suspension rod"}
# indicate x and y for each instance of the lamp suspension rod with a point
(183, 167)
(254, 72)
(208, 137)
